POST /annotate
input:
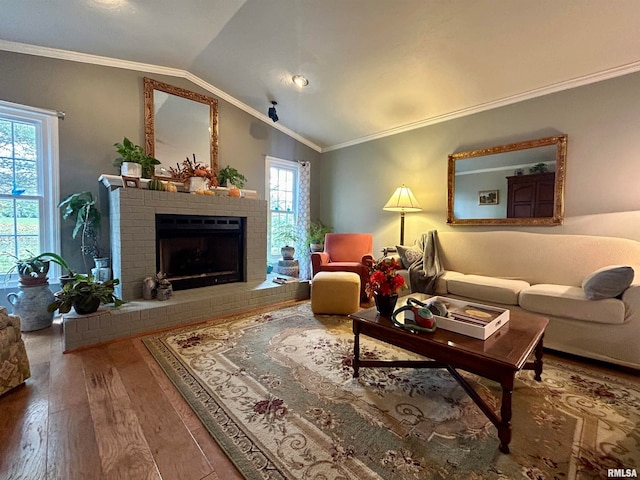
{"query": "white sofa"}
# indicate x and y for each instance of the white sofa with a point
(544, 273)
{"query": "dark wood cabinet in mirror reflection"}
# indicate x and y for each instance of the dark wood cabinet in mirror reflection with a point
(530, 195)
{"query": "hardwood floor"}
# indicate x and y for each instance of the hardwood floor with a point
(109, 412)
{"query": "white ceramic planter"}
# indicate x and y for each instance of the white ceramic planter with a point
(101, 272)
(130, 169)
(30, 304)
(197, 183)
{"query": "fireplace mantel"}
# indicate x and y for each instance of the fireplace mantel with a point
(113, 182)
(132, 221)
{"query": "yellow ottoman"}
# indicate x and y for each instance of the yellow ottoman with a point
(335, 293)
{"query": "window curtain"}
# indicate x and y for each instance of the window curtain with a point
(304, 218)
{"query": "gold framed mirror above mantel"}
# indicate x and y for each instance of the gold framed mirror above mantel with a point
(179, 123)
(526, 183)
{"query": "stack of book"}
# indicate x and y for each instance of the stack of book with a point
(283, 280)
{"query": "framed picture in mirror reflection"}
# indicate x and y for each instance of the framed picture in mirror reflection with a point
(488, 197)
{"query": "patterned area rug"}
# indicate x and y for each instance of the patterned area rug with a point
(276, 392)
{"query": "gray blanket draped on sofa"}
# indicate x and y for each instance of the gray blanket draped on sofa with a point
(424, 272)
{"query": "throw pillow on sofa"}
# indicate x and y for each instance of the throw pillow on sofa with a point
(408, 255)
(607, 282)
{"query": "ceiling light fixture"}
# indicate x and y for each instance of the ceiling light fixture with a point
(300, 81)
(272, 111)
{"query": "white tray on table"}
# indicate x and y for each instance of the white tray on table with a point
(468, 318)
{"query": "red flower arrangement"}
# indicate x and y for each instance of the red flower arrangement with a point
(383, 278)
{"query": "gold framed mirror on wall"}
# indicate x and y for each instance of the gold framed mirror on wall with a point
(179, 123)
(525, 180)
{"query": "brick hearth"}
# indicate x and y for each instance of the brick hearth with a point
(184, 307)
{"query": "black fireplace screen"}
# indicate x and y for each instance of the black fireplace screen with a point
(197, 250)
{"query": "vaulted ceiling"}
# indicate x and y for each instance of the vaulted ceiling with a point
(375, 67)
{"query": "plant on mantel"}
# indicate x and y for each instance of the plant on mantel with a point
(187, 169)
(231, 176)
(132, 153)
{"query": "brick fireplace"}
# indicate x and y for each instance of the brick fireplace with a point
(133, 249)
(133, 231)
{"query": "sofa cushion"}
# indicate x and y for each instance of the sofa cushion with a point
(489, 289)
(571, 302)
(441, 282)
(409, 255)
(608, 282)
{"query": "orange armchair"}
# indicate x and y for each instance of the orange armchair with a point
(346, 252)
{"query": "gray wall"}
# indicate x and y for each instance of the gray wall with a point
(105, 104)
(350, 186)
(602, 194)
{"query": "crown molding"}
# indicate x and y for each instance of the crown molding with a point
(175, 72)
(149, 68)
(521, 97)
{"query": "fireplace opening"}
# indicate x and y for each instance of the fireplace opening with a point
(198, 251)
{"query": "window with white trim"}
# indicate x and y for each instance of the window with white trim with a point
(282, 187)
(28, 183)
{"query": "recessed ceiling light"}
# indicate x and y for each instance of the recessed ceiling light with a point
(109, 4)
(300, 81)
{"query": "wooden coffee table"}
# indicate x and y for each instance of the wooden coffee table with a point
(497, 358)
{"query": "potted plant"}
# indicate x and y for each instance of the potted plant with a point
(81, 208)
(230, 176)
(133, 161)
(539, 168)
(285, 234)
(85, 295)
(33, 269)
(315, 235)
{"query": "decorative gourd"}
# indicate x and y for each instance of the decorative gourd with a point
(170, 187)
(156, 184)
